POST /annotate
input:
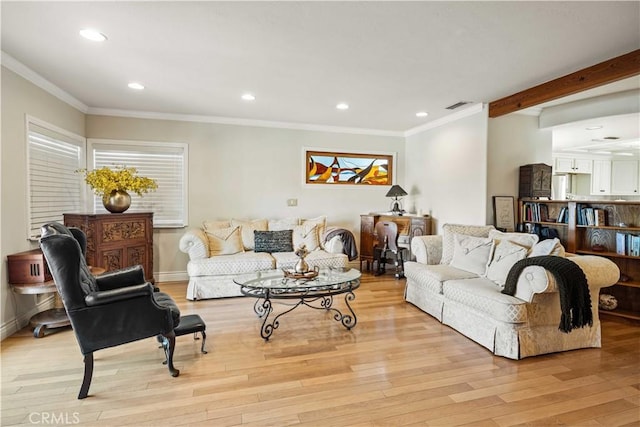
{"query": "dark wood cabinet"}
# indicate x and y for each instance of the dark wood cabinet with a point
(117, 240)
(535, 180)
(408, 227)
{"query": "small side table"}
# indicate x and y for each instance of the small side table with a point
(55, 317)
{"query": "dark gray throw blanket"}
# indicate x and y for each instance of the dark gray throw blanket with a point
(575, 301)
(348, 241)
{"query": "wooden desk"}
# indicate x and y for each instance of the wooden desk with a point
(409, 226)
(55, 317)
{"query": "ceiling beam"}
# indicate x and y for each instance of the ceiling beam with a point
(621, 67)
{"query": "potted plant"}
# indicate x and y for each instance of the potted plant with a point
(113, 185)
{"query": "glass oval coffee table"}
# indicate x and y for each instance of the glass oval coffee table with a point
(316, 292)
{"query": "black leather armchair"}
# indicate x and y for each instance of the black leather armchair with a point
(109, 310)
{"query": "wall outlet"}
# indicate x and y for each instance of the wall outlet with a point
(292, 202)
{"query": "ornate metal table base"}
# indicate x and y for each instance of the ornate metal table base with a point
(264, 308)
(316, 293)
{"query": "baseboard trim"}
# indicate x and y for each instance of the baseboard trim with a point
(12, 326)
(171, 276)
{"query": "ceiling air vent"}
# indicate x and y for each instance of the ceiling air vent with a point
(611, 137)
(457, 105)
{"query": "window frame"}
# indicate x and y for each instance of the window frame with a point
(95, 144)
(68, 138)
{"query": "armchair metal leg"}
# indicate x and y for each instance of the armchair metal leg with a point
(169, 345)
(88, 374)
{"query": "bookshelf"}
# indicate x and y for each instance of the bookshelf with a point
(593, 228)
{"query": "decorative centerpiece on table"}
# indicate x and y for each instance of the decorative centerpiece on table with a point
(113, 185)
(301, 269)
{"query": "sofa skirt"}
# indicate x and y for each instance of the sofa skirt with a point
(429, 302)
(206, 287)
(517, 340)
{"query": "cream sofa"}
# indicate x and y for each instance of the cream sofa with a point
(466, 296)
(221, 250)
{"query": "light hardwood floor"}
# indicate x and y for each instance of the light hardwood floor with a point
(398, 366)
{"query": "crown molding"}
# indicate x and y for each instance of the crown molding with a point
(22, 70)
(469, 111)
(238, 122)
(27, 73)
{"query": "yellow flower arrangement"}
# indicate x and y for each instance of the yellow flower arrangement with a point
(105, 180)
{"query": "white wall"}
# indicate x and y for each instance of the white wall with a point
(446, 171)
(21, 98)
(250, 172)
(513, 140)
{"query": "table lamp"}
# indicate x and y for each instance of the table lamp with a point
(396, 192)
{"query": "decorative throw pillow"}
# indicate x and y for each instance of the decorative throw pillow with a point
(505, 255)
(247, 228)
(449, 230)
(273, 241)
(523, 239)
(321, 223)
(214, 225)
(548, 247)
(282, 224)
(471, 253)
(306, 235)
(224, 241)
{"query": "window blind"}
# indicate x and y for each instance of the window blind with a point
(54, 186)
(163, 162)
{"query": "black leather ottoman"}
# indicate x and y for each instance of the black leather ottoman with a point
(192, 324)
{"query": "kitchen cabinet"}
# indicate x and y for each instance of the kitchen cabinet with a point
(624, 177)
(572, 165)
(601, 177)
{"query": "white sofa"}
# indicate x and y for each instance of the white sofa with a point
(221, 250)
(464, 295)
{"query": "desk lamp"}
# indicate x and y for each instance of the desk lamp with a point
(396, 192)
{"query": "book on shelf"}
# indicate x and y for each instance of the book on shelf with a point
(589, 216)
(563, 216)
(534, 212)
(627, 244)
(621, 244)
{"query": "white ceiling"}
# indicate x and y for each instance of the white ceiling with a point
(387, 60)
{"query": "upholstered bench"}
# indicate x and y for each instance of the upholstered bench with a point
(192, 324)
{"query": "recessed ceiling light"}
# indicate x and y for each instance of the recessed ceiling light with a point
(248, 97)
(622, 153)
(594, 127)
(601, 152)
(93, 35)
(422, 114)
(135, 85)
(342, 106)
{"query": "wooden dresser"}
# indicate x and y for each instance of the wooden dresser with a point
(408, 227)
(117, 240)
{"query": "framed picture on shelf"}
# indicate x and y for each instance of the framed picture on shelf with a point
(504, 213)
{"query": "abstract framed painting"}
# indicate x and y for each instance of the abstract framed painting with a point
(344, 168)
